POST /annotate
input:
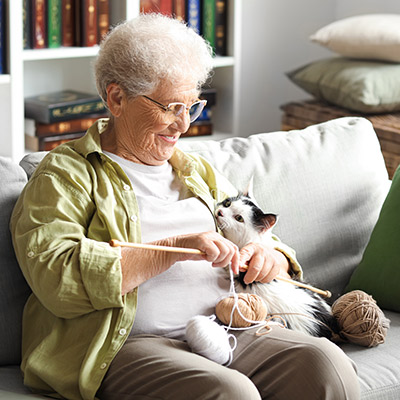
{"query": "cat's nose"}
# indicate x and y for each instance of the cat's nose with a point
(219, 213)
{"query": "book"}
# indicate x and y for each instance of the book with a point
(149, 6)
(156, 6)
(193, 15)
(67, 23)
(179, 9)
(103, 18)
(88, 21)
(220, 27)
(38, 15)
(3, 61)
(210, 95)
(54, 23)
(62, 106)
(48, 143)
(27, 24)
(200, 128)
(77, 22)
(208, 21)
(166, 7)
(34, 128)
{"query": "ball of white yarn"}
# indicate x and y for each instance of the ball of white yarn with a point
(207, 338)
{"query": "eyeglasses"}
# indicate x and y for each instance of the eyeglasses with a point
(178, 108)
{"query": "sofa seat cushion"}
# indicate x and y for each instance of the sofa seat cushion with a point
(379, 367)
(13, 288)
(327, 183)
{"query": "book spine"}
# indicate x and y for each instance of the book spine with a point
(220, 27)
(166, 7)
(77, 23)
(2, 38)
(193, 15)
(209, 21)
(27, 24)
(199, 129)
(64, 113)
(179, 9)
(34, 143)
(54, 23)
(67, 23)
(103, 18)
(89, 23)
(149, 6)
(71, 126)
(39, 24)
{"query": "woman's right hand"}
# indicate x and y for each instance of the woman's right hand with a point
(217, 250)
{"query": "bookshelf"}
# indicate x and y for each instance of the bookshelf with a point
(32, 72)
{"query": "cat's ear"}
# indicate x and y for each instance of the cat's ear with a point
(269, 220)
(248, 191)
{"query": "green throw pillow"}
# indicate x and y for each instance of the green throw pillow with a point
(359, 85)
(378, 274)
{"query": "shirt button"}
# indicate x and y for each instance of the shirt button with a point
(122, 332)
(127, 187)
(133, 218)
(103, 366)
(30, 254)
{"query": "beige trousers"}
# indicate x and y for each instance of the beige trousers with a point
(282, 364)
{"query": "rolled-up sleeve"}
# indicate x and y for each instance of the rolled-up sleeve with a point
(68, 272)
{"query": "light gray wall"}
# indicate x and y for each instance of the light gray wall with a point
(275, 40)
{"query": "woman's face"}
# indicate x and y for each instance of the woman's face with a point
(145, 133)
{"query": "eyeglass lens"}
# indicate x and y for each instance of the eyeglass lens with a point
(194, 111)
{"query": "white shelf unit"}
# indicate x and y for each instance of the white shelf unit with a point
(32, 72)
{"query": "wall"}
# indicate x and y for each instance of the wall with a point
(275, 40)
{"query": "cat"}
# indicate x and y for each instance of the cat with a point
(242, 221)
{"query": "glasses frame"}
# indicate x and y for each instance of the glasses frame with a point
(168, 107)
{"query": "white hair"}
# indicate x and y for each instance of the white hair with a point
(141, 53)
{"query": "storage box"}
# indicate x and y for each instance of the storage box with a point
(298, 115)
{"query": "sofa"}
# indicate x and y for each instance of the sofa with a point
(327, 182)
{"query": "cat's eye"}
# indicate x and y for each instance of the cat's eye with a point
(239, 218)
(226, 203)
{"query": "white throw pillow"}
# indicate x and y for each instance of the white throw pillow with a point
(371, 36)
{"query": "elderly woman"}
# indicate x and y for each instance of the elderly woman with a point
(108, 322)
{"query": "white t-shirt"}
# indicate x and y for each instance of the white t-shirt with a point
(166, 208)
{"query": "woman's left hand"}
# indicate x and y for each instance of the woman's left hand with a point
(263, 263)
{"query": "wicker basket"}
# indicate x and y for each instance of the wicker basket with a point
(298, 115)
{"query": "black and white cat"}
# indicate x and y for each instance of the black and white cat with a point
(242, 221)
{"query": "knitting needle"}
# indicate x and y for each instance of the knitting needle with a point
(117, 243)
(325, 293)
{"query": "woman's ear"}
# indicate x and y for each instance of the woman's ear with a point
(115, 97)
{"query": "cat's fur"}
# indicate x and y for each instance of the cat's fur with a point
(242, 221)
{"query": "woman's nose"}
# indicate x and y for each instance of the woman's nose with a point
(182, 121)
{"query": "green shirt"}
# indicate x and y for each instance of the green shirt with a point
(76, 319)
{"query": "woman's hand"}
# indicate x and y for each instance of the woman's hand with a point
(217, 250)
(139, 265)
(263, 263)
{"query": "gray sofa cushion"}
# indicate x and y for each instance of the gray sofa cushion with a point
(13, 288)
(326, 182)
(378, 368)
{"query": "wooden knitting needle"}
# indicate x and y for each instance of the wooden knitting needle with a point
(117, 243)
(325, 293)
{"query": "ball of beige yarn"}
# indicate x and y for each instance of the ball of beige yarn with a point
(250, 305)
(360, 319)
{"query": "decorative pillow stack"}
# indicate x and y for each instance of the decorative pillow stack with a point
(365, 74)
